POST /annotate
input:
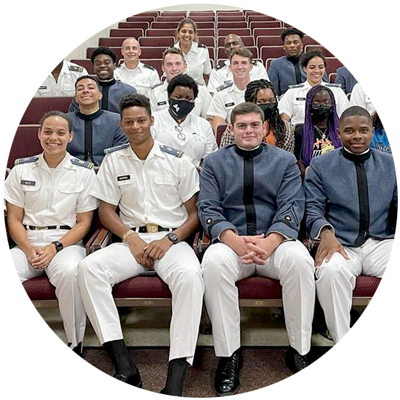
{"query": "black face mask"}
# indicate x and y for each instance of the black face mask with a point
(180, 108)
(268, 109)
(321, 113)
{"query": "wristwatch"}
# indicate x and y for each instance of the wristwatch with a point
(173, 237)
(59, 245)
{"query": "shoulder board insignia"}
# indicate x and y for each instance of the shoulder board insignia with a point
(203, 46)
(224, 86)
(333, 85)
(254, 62)
(116, 148)
(149, 66)
(220, 65)
(171, 150)
(81, 163)
(296, 86)
(157, 85)
(75, 68)
(25, 160)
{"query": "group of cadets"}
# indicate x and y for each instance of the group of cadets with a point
(162, 177)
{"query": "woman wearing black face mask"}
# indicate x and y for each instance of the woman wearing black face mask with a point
(318, 134)
(280, 133)
(178, 127)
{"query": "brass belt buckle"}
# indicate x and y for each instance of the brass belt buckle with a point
(41, 228)
(151, 228)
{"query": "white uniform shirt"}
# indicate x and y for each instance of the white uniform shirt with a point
(359, 98)
(199, 137)
(198, 62)
(142, 78)
(224, 101)
(51, 196)
(293, 102)
(149, 192)
(221, 74)
(65, 86)
(159, 99)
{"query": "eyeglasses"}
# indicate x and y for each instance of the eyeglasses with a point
(181, 135)
(317, 106)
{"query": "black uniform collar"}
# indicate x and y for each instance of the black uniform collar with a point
(359, 158)
(294, 60)
(249, 153)
(108, 83)
(90, 117)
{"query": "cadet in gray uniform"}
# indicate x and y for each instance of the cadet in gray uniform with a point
(49, 211)
(155, 188)
(353, 214)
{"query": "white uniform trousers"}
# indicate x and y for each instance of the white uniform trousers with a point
(179, 269)
(291, 264)
(336, 281)
(61, 272)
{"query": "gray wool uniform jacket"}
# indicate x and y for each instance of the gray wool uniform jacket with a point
(251, 192)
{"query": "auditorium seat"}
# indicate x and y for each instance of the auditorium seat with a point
(165, 25)
(264, 24)
(332, 77)
(221, 128)
(325, 51)
(268, 41)
(25, 143)
(267, 32)
(202, 18)
(133, 25)
(227, 18)
(154, 14)
(233, 25)
(181, 14)
(160, 32)
(239, 32)
(332, 64)
(271, 52)
(247, 40)
(207, 40)
(147, 18)
(154, 62)
(85, 63)
(155, 41)
(222, 54)
(205, 13)
(39, 105)
(135, 32)
(174, 18)
(259, 17)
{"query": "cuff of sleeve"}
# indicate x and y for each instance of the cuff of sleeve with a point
(286, 231)
(287, 238)
(317, 228)
(220, 227)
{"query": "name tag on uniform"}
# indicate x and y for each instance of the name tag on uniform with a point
(28, 183)
(161, 103)
(123, 178)
(229, 104)
(42, 87)
(300, 99)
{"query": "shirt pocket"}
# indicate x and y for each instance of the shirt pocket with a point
(168, 180)
(126, 184)
(70, 187)
(32, 194)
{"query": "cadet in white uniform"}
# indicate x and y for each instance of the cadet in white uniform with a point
(232, 93)
(49, 211)
(292, 104)
(360, 98)
(196, 54)
(174, 63)
(132, 71)
(156, 191)
(221, 74)
(178, 127)
(64, 84)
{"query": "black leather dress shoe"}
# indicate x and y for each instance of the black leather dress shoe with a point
(295, 361)
(133, 380)
(227, 376)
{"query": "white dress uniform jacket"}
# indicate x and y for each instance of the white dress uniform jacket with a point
(293, 102)
(54, 197)
(198, 61)
(198, 139)
(151, 191)
(360, 98)
(224, 101)
(142, 78)
(65, 86)
(158, 96)
(221, 74)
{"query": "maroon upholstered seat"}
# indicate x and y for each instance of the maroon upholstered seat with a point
(258, 287)
(142, 287)
(366, 286)
(40, 288)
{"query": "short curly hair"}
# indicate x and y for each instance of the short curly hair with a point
(103, 50)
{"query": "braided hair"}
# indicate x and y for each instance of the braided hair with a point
(308, 128)
(276, 123)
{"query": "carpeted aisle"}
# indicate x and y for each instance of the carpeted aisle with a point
(262, 367)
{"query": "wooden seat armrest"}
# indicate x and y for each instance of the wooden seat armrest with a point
(99, 240)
